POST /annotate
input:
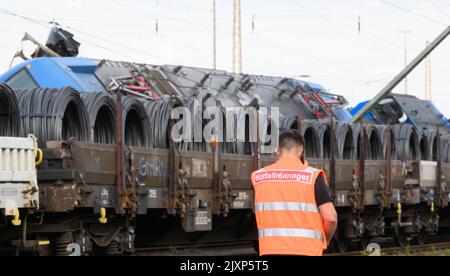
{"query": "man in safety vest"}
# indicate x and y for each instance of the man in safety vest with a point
(294, 211)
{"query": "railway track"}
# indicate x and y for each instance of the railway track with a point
(248, 249)
(432, 249)
(245, 248)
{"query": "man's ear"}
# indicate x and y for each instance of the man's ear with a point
(300, 152)
(278, 152)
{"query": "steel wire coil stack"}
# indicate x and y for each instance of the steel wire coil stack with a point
(432, 145)
(135, 123)
(407, 142)
(356, 129)
(324, 134)
(101, 110)
(422, 140)
(375, 146)
(239, 147)
(196, 127)
(159, 117)
(312, 144)
(344, 142)
(445, 149)
(9, 112)
(53, 115)
(382, 130)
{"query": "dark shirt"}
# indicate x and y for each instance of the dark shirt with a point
(322, 191)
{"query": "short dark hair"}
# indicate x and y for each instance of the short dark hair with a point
(290, 139)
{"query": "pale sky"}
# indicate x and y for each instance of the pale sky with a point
(292, 37)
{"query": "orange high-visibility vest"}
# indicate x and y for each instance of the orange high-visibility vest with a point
(288, 219)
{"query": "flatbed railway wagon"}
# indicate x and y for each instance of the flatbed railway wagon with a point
(112, 179)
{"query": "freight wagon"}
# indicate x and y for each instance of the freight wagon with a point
(112, 180)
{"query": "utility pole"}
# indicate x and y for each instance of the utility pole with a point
(405, 34)
(214, 35)
(237, 43)
(428, 80)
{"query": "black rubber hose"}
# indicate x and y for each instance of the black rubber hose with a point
(9, 112)
(101, 110)
(135, 122)
(53, 115)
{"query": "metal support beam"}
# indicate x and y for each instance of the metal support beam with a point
(401, 76)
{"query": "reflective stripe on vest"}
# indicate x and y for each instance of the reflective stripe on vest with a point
(310, 169)
(286, 206)
(289, 232)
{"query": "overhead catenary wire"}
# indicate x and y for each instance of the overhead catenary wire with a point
(430, 19)
(9, 112)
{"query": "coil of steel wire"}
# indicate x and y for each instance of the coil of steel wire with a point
(445, 149)
(407, 142)
(422, 139)
(135, 122)
(344, 142)
(288, 122)
(312, 142)
(53, 115)
(356, 130)
(382, 130)
(159, 117)
(234, 125)
(196, 143)
(9, 112)
(101, 110)
(432, 145)
(324, 135)
(375, 147)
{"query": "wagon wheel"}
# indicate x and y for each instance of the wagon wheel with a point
(420, 239)
(363, 243)
(339, 243)
(400, 238)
